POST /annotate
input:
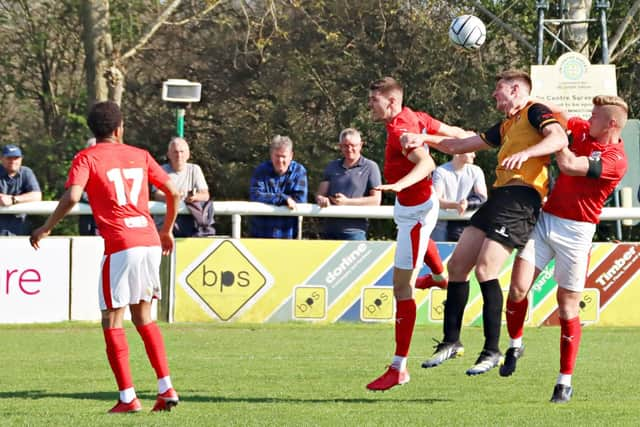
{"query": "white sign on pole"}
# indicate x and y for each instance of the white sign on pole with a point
(573, 82)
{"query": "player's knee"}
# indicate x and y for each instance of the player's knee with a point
(457, 271)
(516, 293)
(484, 273)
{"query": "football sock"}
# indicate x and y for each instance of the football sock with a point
(515, 342)
(564, 379)
(399, 363)
(491, 313)
(405, 322)
(516, 312)
(432, 258)
(457, 296)
(127, 395)
(164, 384)
(154, 345)
(570, 334)
(118, 355)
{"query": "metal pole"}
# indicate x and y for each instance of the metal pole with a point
(616, 203)
(603, 5)
(236, 226)
(541, 6)
(180, 122)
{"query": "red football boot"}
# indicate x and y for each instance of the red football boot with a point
(426, 282)
(126, 408)
(166, 401)
(391, 378)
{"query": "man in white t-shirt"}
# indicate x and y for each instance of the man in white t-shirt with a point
(188, 179)
(460, 185)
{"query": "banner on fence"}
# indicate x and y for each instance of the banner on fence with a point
(259, 280)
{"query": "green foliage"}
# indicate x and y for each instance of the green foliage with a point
(267, 67)
(302, 374)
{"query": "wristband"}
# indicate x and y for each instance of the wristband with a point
(13, 200)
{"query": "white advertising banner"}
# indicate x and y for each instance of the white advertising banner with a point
(86, 253)
(34, 285)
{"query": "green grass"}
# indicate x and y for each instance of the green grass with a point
(301, 374)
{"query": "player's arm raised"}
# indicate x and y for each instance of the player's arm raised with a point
(445, 144)
(454, 131)
(68, 200)
(573, 165)
(424, 165)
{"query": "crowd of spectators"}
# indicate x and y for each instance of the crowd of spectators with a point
(280, 181)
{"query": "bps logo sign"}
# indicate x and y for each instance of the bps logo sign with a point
(227, 278)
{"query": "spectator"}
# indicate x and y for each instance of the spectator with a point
(349, 181)
(280, 181)
(459, 185)
(194, 191)
(18, 184)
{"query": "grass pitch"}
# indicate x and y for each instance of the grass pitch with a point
(307, 375)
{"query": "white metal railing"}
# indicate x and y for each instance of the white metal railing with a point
(236, 209)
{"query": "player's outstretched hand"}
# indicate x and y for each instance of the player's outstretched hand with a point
(388, 187)
(167, 242)
(411, 140)
(37, 235)
(515, 161)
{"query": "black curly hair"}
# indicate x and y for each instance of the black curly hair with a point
(104, 118)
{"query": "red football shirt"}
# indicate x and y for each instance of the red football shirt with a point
(396, 163)
(116, 178)
(581, 198)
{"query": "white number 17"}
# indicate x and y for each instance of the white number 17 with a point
(117, 176)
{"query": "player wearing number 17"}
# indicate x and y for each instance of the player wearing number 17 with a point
(116, 178)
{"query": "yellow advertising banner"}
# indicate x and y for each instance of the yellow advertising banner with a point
(264, 280)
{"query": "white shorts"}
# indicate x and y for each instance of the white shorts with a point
(415, 224)
(130, 276)
(566, 240)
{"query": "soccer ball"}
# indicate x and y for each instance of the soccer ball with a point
(467, 31)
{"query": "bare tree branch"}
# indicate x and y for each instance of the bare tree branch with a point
(505, 26)
(161, 20)
(622, 28)
(632, 43)
(197, 16)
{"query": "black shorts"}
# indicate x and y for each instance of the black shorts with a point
(509, 215)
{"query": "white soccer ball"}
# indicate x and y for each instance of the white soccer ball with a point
(467, 31)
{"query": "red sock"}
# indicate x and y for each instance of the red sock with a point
(154, 344)
(118, 355)
(405, 321)
(432, 258)
(569, 343)
(516, 312)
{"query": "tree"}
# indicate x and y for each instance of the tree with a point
(299, 68)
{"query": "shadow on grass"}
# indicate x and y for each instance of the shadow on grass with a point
(187, 397)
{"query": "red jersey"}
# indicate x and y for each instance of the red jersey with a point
(581, 198)
(396, 163)
(116, 178)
